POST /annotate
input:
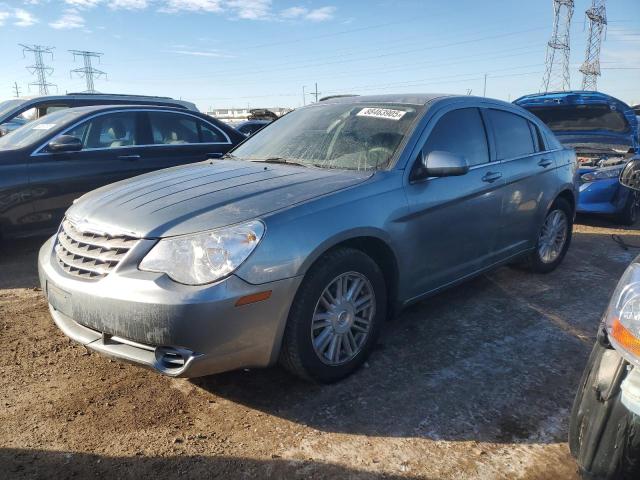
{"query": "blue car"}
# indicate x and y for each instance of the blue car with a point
(604, 133)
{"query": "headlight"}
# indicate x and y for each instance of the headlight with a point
(602, 174)
(204, 257)
(622, 318)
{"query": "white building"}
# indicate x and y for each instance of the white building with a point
(235, 115)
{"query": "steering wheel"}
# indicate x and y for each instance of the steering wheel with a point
(377, 155)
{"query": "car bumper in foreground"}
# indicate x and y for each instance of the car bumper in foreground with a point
(178, 330)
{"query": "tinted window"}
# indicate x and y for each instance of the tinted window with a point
(538, 141)
(173, 129)
(460, 132)
(112, 130)
(512, 134)
(210, 134)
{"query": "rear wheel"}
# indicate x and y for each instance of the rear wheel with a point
(553, 239)
(335, 317)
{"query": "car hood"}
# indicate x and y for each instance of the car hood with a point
(204, 196)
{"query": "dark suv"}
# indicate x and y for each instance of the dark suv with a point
(48, 163)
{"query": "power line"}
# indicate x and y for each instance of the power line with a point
(39, 69)
(590, 69)
(556, 74)
(87, 71)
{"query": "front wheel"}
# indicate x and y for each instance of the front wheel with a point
(335, 317)
(629, 215)
(553, 238)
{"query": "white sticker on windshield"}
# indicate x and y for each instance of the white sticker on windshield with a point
(44, 126)
(387, 113)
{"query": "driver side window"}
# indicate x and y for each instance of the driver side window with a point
(113, 130)
(460, 132)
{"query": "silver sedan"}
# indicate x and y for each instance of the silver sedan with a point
(298, 245)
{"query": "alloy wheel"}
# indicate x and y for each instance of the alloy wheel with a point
(343, 318)
(553, 236)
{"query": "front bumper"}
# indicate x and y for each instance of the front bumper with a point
(606, 197)
(178, 330)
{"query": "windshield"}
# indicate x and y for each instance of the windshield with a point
(345, 136)
(38, 129)
(580, 118)
(8, 105)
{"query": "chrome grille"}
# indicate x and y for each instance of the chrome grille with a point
(90, 255)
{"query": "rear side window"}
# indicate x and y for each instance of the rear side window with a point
(460, 132)
(512, 134)
(211, 134)
(538, 141)
(173, 129)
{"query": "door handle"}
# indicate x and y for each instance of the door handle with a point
(129, 157)
(545, 162)
(491, 177)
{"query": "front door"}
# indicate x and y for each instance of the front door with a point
(455, 219)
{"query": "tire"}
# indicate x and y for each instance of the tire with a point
(536, 261)
(629, 215)
(314, 363)
(604, 436)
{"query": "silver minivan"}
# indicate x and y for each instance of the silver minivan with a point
(296, 246)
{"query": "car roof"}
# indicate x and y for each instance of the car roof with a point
(100, 108)
(408, 98)
(109, 96)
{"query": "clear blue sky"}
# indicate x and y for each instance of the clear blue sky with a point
(226, 53)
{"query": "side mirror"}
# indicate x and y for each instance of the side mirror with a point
(630, 175)
(65, 143)
(444, 164)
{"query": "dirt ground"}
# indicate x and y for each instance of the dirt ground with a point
(476, 382)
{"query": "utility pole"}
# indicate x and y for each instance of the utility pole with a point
(316, 92)
(556, 74)
(590, 69)
(304, 96)
(484, 90)
(88, 72)
(39, 69)
(16, 89)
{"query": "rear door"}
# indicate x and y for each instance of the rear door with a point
(455, 219)
(177, 138)
(111, 150)
(531, 182)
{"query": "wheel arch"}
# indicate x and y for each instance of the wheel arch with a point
(373, 244)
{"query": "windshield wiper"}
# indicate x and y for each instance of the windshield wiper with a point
(282, 160)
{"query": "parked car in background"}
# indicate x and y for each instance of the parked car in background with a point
(16, 112)
(299, 243)
(250, 127)
(604, 132)
(49, 162)
(604, 429)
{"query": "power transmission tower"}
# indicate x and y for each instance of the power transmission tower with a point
(590, 69)
(39, 69)
(556, 74)
(16, 89)
(88, 72)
